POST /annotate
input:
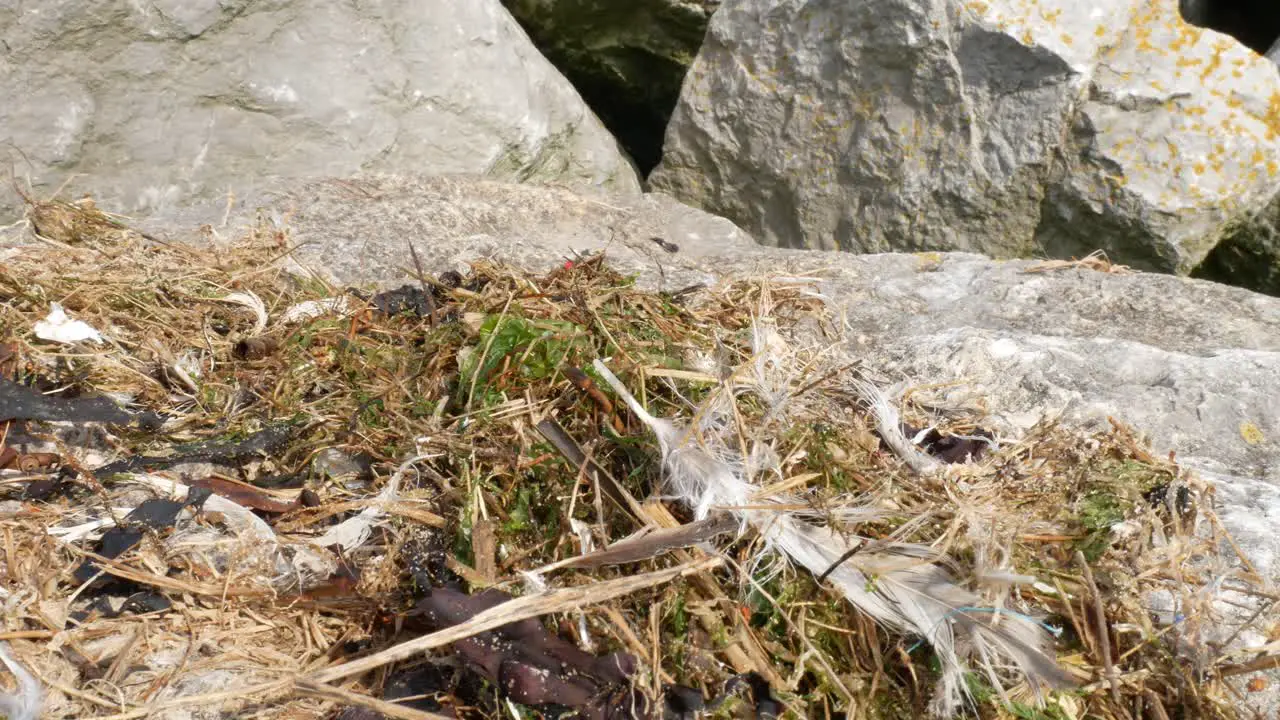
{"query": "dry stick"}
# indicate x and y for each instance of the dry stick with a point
(655, 632)
(1104, 638)
(1262, 607)
(1201, 582)
(73, 691)
(573, 452)
(1266, 662)
(266, 689)
(832, 676)
(426, 291)
(484, 354)
(119, 666)
(390, 709)
(529, 606)
(629, 638)
(1155, 704)
(745, 653)
(1128, 679)
(1244, 559)
(27, 635)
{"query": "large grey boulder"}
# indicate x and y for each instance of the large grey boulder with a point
(1194, 365)
(1002, 127)
(165, 103)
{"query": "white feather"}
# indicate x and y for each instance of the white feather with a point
(27, 702)
(901, 586)
(889, 424)
(355, 531)
(249, 300)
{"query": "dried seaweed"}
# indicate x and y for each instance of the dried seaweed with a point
(155, 514)
(18, 402)
(218, 451)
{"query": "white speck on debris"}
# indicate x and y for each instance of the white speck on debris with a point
(57, 326)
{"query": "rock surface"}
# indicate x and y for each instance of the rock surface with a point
(170, 102)
(1193, 364)
(627, 58)
(358, 230)
(1006, 127)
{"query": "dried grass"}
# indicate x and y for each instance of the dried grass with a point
(467, 388)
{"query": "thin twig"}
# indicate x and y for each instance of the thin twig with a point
(263, 691)
(523, 608)
(1104, 637)
(426, 291)
(484, 354)
(328, 692)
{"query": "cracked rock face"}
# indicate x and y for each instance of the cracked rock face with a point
(1006, 127)
(170, 102)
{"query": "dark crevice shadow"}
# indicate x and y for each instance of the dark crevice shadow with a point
(1255, 23)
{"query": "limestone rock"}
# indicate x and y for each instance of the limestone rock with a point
(165, 103)
(627, 58)
(358, 230)
(1005, 127)
(1193, 364)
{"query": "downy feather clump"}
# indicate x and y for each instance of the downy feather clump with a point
(710, 464)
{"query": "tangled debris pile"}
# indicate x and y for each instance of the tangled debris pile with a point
(244, 491)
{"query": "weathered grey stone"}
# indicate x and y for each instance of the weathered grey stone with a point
(1006, 127)
(627, 58)
(358, 230)
(166, 103)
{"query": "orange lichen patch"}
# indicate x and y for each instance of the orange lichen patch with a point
(1215, 61)
(1272, 117)
(1188, 35)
